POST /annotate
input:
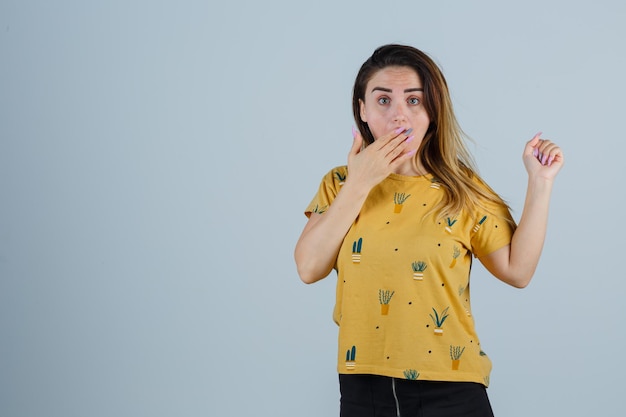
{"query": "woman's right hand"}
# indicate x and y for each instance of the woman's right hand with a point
(370, 165)
(320, 241)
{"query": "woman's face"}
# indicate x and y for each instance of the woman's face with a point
(394, 98)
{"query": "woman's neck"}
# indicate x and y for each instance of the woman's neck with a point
(411, 168)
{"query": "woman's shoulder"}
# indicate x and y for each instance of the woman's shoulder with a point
(476, 179)
(489, 199)
(337, 175)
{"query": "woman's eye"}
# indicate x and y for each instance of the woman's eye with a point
(414, 100)
(383, 100)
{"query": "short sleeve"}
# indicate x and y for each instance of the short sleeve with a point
(328, 190)
(493, 229)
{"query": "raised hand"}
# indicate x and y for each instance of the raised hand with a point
(542, 158)
(372, 164)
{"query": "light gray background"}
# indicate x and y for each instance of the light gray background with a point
(156, 157)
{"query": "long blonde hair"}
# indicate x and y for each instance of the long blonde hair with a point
(443, 151)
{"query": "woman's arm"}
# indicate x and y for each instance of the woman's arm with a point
(321, 239)
(515, 264)
(319, 243)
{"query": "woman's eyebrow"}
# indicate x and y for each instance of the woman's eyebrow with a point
(388, 90)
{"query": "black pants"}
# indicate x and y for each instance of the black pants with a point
(380, 396)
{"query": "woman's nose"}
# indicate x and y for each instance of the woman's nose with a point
(399, 113)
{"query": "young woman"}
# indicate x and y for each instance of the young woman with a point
(400, 224)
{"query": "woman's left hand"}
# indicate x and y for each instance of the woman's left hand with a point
(542, 158)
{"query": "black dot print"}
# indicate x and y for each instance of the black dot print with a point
(430, 351)
(410, 302)
(396, 249)
(443, 284)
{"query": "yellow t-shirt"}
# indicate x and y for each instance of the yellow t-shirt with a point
(403, 295)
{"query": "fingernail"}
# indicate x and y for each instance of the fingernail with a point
(411, 152)
(539, 134)
(550, 160)
(409, 139)
(400, 130)
(408, 132)
(543, 159)
(353, 132)
(535, 152)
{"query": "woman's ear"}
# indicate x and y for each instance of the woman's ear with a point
(362, 111)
